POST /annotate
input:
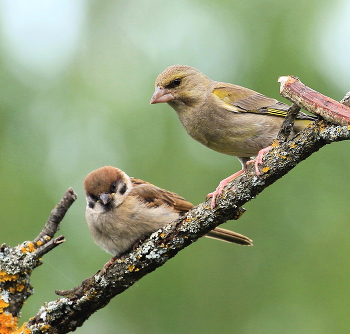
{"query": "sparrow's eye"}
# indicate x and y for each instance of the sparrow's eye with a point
(93, 197)
(91, 204)
(123, 189)
(113, 187)
(174, 83)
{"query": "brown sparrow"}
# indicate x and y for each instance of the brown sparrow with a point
(122, 210)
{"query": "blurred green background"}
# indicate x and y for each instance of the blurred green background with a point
(76, 80)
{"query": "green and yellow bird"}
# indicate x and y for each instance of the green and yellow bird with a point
(227, 118)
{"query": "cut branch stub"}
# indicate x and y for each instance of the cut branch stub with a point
(314, 102)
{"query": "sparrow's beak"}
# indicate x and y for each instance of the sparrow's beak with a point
(161, 95)
(105, 198)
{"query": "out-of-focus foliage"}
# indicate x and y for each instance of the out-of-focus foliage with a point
(76, 80)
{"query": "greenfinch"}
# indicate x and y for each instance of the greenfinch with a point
(227, 118)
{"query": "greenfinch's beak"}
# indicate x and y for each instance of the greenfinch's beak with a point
(105, 198)
(161, 95)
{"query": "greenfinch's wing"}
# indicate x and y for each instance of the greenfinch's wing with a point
(153, 196)
(241, 97)
(247, 100)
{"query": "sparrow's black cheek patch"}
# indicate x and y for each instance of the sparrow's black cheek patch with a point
(123, 189)
(91, 205)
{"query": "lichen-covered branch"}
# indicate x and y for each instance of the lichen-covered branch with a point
(17, 264)
(75, 306)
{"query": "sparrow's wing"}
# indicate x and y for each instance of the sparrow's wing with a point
(241, 99)
(154, 196)
(229, 236)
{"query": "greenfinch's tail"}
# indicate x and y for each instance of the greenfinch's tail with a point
(301, 124)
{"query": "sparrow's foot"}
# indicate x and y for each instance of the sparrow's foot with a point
(221, 186)
(109, 263)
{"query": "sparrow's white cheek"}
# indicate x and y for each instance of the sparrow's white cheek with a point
(95, 208)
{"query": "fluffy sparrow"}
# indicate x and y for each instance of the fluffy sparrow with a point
(122, 210)
(224, 117)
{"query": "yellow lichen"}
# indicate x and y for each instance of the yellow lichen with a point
(39, 243)
(7, 277)
(322, 126)
(8, 323)
(131, 267)
(19, 287)
(29, 248)
(293, 145)
(265, 169)
(22, 330)
(3, 304)
(275, 143)
(162, 235)
(45, 328)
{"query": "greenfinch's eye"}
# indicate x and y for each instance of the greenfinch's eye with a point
(174, 83)
(177, 82)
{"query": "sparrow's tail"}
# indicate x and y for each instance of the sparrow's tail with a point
(229, 236)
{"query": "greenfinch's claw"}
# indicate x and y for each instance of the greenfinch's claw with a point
(221, 186)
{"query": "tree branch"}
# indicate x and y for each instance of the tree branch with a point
(56, 216)
(75, 306)
(67, 313)
(17, 264)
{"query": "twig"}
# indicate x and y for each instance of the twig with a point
(316, 103)
(346, 99)
(288, 123)
(51, 244)
(56, 216)
(17, 264)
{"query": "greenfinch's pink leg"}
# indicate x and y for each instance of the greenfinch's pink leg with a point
(221, 186)
(258, 160)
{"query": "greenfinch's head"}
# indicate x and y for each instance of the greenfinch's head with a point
(180, 85)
